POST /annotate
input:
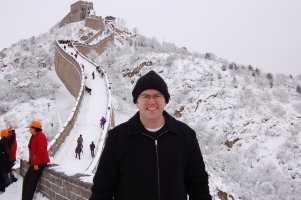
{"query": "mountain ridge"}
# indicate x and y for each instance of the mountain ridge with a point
(221, 102)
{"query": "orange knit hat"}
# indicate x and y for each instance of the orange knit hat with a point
(34, 124)
(5, 133)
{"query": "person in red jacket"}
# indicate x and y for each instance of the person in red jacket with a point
(38, 159)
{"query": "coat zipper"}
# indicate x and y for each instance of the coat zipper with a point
(158, 171)
(157, 156)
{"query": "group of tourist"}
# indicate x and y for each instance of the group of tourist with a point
(80, 146)
(38, 158)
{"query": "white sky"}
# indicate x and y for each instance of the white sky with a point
(265, 34)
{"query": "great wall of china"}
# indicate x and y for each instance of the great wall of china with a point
(54, 184)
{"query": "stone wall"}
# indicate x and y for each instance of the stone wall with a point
(78, 12)
(94, 22)
(90, 39)
(58, 186)
(66, 20)
(67, 70)
(99, 47)
(81, 6)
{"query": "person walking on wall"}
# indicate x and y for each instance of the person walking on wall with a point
(92, 147)
(78, 150)
(102, 122)
(80, 141)
(38, 159)
(152, 156)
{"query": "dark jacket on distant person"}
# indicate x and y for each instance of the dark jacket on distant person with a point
(135, 165)
(4, 158)
(78, 148)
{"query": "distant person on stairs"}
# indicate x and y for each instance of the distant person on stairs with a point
(80, 141)
(152, 155)
(102, 122)
(78, 150)
(92, 147)
(38, 159)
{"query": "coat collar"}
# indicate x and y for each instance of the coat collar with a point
(136, 127)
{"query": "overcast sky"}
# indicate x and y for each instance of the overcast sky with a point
(263, 33)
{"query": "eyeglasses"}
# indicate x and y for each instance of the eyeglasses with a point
(147, 97)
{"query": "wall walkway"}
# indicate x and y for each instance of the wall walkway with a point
(57, 185)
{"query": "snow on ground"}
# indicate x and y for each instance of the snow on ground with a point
(59, 110)
(62, 106)
(64, 101)
(101, 37)
(220, 102)
(221, 105)
(14, 192)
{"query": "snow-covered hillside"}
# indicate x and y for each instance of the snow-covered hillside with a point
(248, 121)
(30, 88)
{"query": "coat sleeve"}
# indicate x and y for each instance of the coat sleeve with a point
(106, 177)
(196, 177)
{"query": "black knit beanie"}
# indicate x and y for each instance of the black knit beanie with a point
(151, 80)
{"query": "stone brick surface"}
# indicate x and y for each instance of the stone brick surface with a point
(86, 193)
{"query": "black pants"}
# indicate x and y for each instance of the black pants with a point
(30, 181)
(2, 182)
(92, 152)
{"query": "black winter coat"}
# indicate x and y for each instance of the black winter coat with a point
(4, 159)
(135, 166)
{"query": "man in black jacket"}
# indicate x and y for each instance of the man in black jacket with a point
(152, 156)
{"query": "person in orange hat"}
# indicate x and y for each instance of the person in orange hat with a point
(38, 159)
(4, 160)
(5, 133)
(13, 151)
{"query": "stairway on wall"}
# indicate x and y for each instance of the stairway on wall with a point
(93, 107)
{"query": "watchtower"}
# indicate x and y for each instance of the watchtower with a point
(79, 10)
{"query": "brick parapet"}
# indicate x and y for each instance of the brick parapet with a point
(70, 72)
(57, 185)
(94, 36)
(99, 47)
(78, 12)
(94, 22)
